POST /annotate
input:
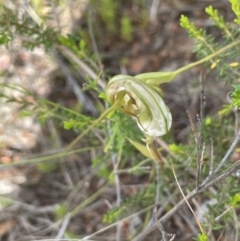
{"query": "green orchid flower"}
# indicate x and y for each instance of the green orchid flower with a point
(143, 102)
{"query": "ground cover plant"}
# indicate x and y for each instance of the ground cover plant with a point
(104, 157)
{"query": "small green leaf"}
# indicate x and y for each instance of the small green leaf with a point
(82, 44)
(202, 237)
(208, 121)
(103, 96)
(226, 109)
(69, 124)
(142, 148)
(60, 211)
(236, 87)
(25, 113)
(176, 149)
(236, 96)
(235, 200)
(46, 167)
(209, 10)
(236, 10)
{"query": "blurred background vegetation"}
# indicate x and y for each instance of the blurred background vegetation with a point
(56, 58)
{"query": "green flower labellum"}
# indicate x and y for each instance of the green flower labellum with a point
(142, 101)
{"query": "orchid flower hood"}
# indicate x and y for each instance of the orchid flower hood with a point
(143, 102)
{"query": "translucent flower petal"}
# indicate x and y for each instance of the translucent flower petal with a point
(142, 101)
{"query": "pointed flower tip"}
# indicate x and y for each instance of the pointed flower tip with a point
(143, 102)
(157, 78)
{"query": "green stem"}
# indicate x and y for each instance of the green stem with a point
(161, 77)
(89, 200)
(48, 157)
(207, 58)
(97, 121)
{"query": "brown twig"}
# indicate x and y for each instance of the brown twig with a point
(192, 194)
(85, 68)
(225, 158)
(212, 159)
(165, 235)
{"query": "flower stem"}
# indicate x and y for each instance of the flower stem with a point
(97, 121)
(207, 58)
